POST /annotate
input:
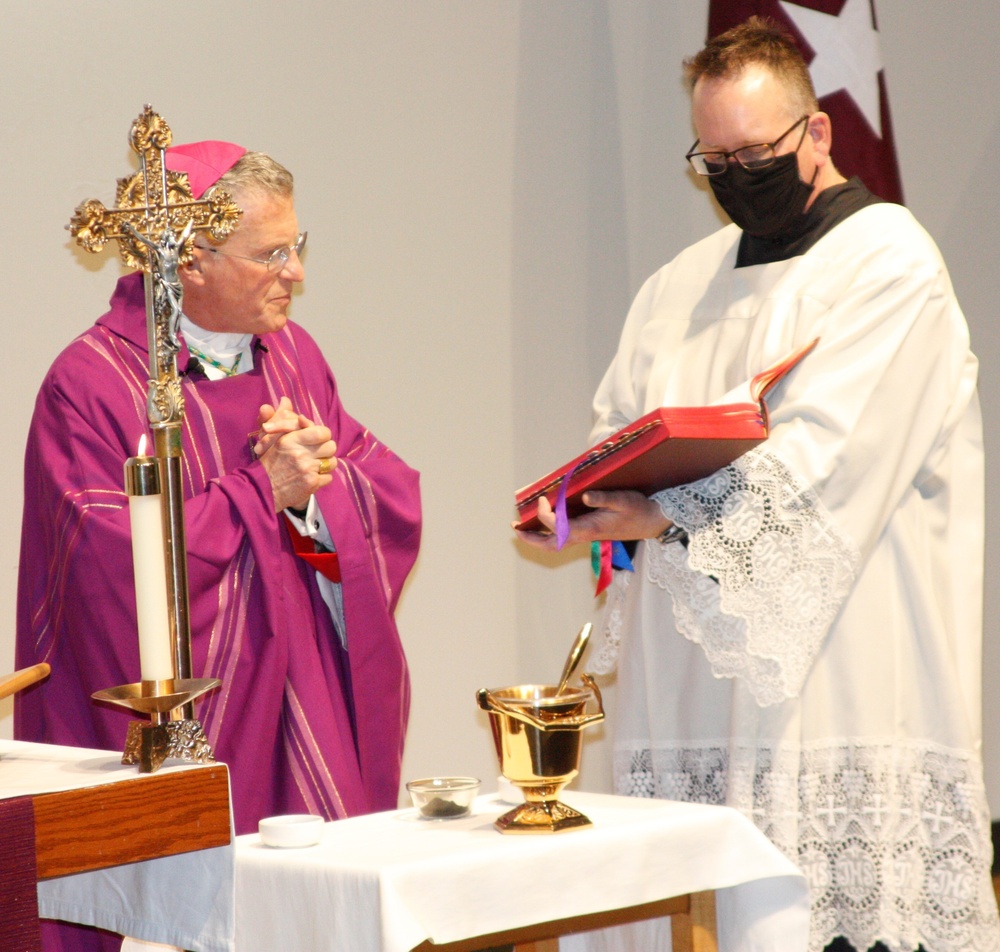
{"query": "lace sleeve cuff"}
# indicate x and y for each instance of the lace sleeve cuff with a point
(765, 572)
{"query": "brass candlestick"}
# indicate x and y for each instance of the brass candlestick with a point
(150, 743)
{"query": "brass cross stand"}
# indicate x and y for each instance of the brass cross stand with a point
(154, 222)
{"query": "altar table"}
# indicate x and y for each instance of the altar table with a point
(394, 882)
(146, 855)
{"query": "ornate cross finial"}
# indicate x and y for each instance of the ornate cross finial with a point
(151, 202)
(154, 222)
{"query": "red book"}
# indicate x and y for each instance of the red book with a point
(668, 447)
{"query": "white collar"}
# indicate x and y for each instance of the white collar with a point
(221, 345)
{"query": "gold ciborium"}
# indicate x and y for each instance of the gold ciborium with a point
(537, 735)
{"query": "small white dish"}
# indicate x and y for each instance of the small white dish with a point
(292, 831)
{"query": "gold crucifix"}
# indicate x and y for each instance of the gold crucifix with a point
(154, 222)
(152, 201)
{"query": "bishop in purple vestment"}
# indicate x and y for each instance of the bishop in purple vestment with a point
(312, 710)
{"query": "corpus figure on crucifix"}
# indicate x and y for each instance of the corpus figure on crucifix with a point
(301, 526)
(168, 290)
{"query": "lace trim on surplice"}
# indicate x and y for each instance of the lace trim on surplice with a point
(765, 572)
(893, 838)
(604, 657)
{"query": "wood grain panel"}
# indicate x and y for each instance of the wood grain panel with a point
(693, 926)
(131, 820)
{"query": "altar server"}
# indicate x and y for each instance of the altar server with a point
(801, 635)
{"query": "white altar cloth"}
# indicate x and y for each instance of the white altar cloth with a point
(185, 900)
(389, 881)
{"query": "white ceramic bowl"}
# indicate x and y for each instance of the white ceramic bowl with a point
(291, 831)
(443, 798)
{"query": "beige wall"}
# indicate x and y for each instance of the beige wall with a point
(485, 183)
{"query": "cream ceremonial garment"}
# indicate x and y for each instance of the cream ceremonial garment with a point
(813, 656)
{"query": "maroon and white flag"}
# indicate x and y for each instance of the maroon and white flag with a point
(840, 42)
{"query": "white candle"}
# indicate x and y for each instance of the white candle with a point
(145, 505)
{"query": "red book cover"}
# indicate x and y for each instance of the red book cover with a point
(668, 447)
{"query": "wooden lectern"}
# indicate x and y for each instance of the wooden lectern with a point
(98, 823)
(78, 831)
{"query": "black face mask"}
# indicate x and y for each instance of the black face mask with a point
(764, 203)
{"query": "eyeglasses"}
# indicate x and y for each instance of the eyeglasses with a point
(275, 261)
(751, 157)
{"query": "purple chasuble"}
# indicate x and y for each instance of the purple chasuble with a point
(303, 725)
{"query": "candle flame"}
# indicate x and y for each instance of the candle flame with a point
(142, 446)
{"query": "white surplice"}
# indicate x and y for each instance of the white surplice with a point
(813, 657)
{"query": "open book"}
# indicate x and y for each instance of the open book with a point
(668, 447)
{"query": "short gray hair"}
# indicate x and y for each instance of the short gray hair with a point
(256, 172)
